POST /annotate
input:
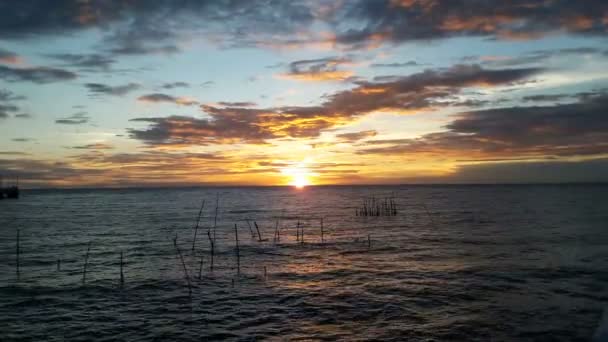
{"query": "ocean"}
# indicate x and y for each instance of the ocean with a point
(453, 263)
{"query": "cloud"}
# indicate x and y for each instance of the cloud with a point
(40, 75)
(594, 170)
(75, 119)
(237, 104)
(13, 153)
(396, 65)
(323, 69)
(22, 139)
(9, 57)
(538, 57)
(95, 146)
(7, 95)
(158, 97)
(408, 94)
(103, 89)
(562, 130)
(88, 62)
(133, 28)
(356, 136)
(409, 20)
(173, 85)
(23, 116)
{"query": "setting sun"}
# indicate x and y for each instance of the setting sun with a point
(298, 175)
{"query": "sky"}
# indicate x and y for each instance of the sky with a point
(242, 92)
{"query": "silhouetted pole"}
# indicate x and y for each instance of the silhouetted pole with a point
(183, 265)
(200, 268)
(200, 212)
(238, 252)
(211, 250)
(322, 238)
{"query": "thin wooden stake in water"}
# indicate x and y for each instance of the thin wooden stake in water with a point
(17, 254)
(258, 230)
(369, 241)
(276, 232)
(200, 268)
(58, 264)
(198, 221)
(251, 230)
(122, 275)
(86, 263)
(265, 274)
(322, 238)
(238, 252)
(298, 231)
(212, 249)
(184, 266)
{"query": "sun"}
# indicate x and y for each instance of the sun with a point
(298, 174)
(300, 181)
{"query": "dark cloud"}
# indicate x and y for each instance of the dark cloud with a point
(87, 62)
(407, 94)
(595, 170)
(23, 116)
(396, 65)
(6, 109)
(400, 21)
(22, 139)
(356, 136)
(174, 85)
(103, 89)
(158, 97)
(322, 69)
(237, 104)
(7, 95)
(538, 57)
(76, 119)
(546, 97)
(133, 25)
(573, 129)
(40, 75)
(96, 146)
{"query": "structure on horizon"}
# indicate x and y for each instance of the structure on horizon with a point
(9, 190)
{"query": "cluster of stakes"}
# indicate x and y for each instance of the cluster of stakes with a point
(371, 207)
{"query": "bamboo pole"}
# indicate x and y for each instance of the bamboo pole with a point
(276, 232)
(258, 230)
(250, 229)
(322, 235)
(369, 241)
(200, 268)
(198, 221)
(186, 275)
(211, 250)
(86, 263)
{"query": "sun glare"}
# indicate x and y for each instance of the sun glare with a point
(298, 175)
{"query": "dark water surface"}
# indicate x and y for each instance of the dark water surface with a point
(458, 263)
